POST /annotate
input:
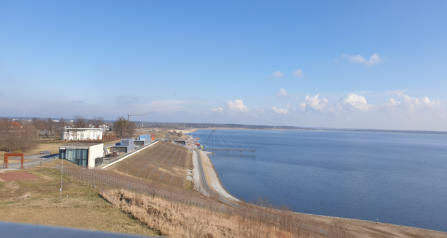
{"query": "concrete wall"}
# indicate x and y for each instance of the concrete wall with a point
(83, 135)
(95, 151)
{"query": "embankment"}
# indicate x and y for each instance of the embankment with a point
(212, 178)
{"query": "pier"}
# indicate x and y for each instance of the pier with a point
(215, 143)
(230, 149)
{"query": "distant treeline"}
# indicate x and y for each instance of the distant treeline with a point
(212, 125)
(178, 125)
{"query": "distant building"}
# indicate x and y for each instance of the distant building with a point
(104, 127)
(82, 134)
(14, 125)
(143, 140)
(85, 154)
(125, 145)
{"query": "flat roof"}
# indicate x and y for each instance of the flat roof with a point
(80, 144)
(83, 129)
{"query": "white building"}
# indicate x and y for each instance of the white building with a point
(82, 134)
(104, 127)
(82, 154)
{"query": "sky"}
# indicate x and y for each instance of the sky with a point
(339, 64)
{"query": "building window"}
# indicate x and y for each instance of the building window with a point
(77, 156)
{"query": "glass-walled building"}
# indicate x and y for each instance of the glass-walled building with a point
(82, 154)
(77, 156)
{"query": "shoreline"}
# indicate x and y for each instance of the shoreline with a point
(389, 227)
(211, 175)
(351, 221)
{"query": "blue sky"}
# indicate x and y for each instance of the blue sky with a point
(356, 64)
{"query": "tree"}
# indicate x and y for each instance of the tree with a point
(38, 124)
(60, 127)
(44, 127)
(15, 136)
(61, 122)
(50, 126)
(80, 122)
(96, 122)
(124, 128)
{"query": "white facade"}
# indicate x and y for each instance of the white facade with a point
(82, 134)
(95, 151)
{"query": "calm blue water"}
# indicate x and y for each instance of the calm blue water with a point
(398, 178)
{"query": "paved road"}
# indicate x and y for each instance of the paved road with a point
(205, 186)
(33, 160)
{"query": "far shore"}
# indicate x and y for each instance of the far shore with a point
(192, 130)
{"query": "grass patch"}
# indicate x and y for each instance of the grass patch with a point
(77, 206)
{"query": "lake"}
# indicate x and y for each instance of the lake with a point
(392, 177)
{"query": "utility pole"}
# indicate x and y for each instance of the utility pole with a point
(135, 115)
(61, 186)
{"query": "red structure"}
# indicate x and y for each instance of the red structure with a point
(6, 155)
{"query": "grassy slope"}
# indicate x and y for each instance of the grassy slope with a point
(78, 206)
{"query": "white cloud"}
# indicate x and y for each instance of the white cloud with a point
(355, 102)
(282, 111)
(358, 59)
(412, 103)
(314, 103)
(277, 74)
(298, 73)
(237, 105)
(217, 109)
(393, 102)
(283, 92)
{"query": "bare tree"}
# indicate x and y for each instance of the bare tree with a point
(38, 123)
(124, 128)
(15, 136)
(80, 122)
(96, 122)
(60, 126)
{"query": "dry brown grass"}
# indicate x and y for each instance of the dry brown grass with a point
(182, 220)
(176, 219)
(164, 162)
(78, 206)
(51, 147)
